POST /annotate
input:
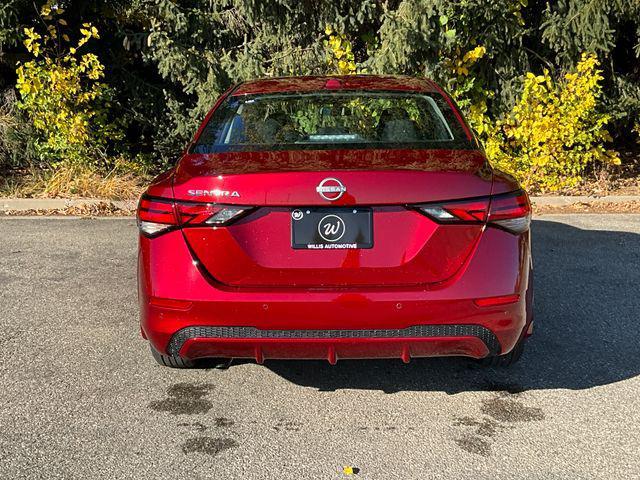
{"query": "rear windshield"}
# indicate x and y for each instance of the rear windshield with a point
(331, 120)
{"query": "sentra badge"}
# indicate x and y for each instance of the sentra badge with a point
(213, 193)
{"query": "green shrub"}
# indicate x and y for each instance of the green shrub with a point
(165, 63)
(16, 145)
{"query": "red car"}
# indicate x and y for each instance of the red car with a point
(334, 218)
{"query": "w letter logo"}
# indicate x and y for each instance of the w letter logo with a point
(331, 228)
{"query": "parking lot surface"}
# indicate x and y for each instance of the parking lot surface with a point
(80, 396)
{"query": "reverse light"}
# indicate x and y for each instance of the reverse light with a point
(151, 228)
(458, 211)
(161, 215)
(208, 213)
(437, 212)
(225, 215)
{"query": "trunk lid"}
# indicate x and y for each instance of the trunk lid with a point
(409, 248)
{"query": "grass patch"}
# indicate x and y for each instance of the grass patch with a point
(99, 209)
(72, 182)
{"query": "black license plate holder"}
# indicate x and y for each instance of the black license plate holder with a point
(331, 228)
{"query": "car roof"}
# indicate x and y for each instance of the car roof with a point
(336, 82)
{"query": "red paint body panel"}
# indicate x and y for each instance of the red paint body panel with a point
(409, 249)
(349, 82)
(373, 177)
(503, 183)
(500, 256)
(419, 271)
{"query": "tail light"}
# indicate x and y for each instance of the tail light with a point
(509, 211)
(156, 216)
(161, 215)
(458, 211)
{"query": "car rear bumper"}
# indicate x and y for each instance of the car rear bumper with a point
(183, 313)
(332, 349)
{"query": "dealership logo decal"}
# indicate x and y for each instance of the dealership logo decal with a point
(213, 193)
(331, 189)
(331, 228)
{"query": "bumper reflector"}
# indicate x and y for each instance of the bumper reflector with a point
(493, 301)
(170, 303)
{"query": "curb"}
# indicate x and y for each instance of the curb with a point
(28, 204)
(563, 201)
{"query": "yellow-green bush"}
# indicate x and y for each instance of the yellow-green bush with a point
(466, 90)
(62, 94)
(340, 57)
(554, 131)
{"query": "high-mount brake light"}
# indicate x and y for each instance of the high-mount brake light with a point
(509, 211)
(333, 84)
(160, 215)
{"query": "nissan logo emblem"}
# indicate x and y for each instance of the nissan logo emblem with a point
(331, 189)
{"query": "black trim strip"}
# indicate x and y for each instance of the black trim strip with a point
(417, 331)
(455, 144)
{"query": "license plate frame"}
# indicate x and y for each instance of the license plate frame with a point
(331, 228)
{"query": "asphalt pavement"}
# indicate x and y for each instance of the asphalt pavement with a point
(81, 397)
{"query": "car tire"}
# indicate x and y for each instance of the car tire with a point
(507, 359)
(170, 360)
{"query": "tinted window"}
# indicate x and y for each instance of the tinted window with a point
(331, 120)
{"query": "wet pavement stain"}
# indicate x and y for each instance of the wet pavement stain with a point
(511, 411)
(208, 445)
(185, 399)
(289, 426)
(485, 427)
(223, 422)
(500, 413)
(475, 445)
(219, 422)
